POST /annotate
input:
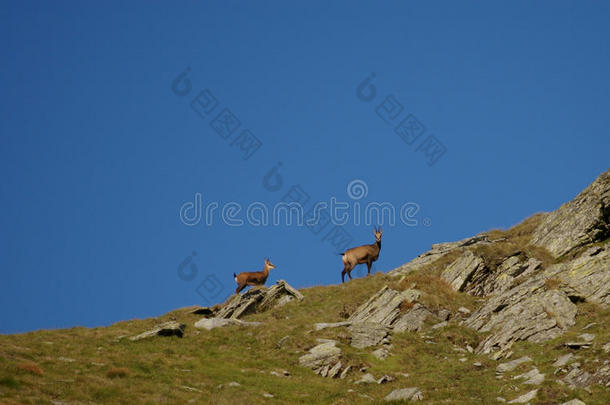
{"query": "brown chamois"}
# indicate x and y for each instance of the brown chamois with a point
(361, 254)
(253, 277)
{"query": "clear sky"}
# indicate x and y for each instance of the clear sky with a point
(102, 143)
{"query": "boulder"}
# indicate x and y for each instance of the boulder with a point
(404, 394)
(532, 377)
(368, 378)
(366, 334)
(585, 219)
(165, 329)
(525, 398)
(212, 323)
(320, 355)
(511, 365)
(413, 319)
(259, 299)
(382, 308)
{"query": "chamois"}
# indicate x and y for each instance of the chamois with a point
(361, 254)
(253, 277)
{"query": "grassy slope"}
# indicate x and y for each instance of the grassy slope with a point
(82, 365)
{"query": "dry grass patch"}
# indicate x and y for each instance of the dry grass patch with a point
(117, 372)
(31, 368)
(552, 283)
(437, 293)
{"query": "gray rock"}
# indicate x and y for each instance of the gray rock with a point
(385, 378)
(436, 252)
(411, 294)
(321, 355)
(578, 378)
(335, 370)
(524, 398)
(440, 325)
(405, 394)
(212, 323)
(280, 294)
(606, 347)
(458, 273)
(259, 299)
(583, 220)
(511, 365)
(577, 345)
(504, 277)
(320, 326)
(381, 353)
(464, 310)
(587, 278)
(345, 372)
(382, 308)
(525, 312)
(587, 337)
(533, 377)
(413, 319)
(366, 334)
(242, 304)
(574, 401)
(443, 314)
(368, 378)
(563, 360)
(165, 329)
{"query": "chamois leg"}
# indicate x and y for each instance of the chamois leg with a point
(368, 264)
(347, 268)
(239, 288)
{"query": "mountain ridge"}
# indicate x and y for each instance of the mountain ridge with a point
(445, 327)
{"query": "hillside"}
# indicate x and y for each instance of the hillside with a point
(507, 315)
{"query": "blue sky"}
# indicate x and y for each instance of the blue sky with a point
(98, 153)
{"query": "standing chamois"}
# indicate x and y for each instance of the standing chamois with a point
(361, 254)
(253, 277)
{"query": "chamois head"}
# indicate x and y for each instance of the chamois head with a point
(378, 233)
(268, 264)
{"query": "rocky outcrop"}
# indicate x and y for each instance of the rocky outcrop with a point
(382, 308)
(436, 252)
(587, 277)
(413, 320)
(259, 299)
(165, 329)
(324, 359)
(585, 219)
(526, 312)
(367, 334)
(458, 273)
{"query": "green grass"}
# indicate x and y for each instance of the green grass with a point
(176, 370)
